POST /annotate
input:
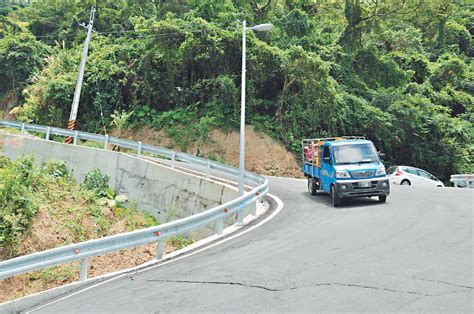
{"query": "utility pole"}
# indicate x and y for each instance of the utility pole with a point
(72, 124)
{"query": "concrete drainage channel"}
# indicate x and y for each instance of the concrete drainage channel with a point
(127, 173)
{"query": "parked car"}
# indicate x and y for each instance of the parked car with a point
(405, 175)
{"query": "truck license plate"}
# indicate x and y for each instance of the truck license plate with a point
(364, 184)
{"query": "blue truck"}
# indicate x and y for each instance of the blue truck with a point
(344, 167)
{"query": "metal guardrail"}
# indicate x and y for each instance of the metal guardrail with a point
(463, 180)
(83, 250)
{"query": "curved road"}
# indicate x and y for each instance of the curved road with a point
(413, 253)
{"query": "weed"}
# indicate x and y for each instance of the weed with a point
(56, 168)
(180, 241)
(5, 162)
(92, 144)
(17, 208)
(58, 274)
(120, 119)
(216, 158)
(135, 219)
(96, 181)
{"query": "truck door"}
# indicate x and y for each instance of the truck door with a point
(326, 169)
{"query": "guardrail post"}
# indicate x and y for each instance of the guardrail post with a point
(219, 226)
(253, 208)
(106, 142)
(23, 128)
(456, 184)
(173, 159)
(139, 150)
(160, 250)
(240, 215)
(208, 169)
(75, 138)
(48, 130)
(84, 268)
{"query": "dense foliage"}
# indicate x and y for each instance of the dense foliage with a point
(398, 71)
(19, 183)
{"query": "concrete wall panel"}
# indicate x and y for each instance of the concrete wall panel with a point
(165, 193)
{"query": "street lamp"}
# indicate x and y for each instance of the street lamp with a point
(258, 28)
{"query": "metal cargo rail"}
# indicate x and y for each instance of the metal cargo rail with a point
(158, 234)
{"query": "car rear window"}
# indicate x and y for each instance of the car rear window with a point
(410, 170)
(391, 170)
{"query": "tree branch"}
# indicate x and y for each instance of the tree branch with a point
(375, 14)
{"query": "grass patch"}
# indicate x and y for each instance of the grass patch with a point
(11, 130)
(59, 274)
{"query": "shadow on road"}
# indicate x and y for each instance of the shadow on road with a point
(324, 199)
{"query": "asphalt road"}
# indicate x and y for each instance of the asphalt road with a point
(414, 253)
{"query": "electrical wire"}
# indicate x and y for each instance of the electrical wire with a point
(101, 109)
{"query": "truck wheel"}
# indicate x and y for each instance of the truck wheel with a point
(382, 198)
(312, 186)
(336, 201)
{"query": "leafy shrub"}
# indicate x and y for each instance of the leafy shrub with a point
(25, 169)
(146, 114)
(120, 120)
(56, 168)
(173, 117)
(96, 181)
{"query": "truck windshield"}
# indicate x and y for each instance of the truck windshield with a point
(355, 154)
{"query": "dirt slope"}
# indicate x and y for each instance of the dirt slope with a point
(263, 154)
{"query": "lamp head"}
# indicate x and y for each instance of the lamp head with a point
(262, 27)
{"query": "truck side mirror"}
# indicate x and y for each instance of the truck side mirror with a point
(327, 160)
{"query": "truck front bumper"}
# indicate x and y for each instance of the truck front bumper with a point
(361, 188)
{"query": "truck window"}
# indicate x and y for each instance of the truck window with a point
(355, 153)
(326, 152)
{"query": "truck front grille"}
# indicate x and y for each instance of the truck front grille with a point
(363, 174)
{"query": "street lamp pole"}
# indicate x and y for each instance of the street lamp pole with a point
(242, 112)
(258, 28)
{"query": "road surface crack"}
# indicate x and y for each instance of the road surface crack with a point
(443, 282)
(433, 280)
(221, 283)
(371, 287)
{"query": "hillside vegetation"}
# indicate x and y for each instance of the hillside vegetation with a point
(42, 207)
(398, 71)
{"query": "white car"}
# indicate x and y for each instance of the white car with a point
(405, 175)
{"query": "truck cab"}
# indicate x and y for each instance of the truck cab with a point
(344, 167)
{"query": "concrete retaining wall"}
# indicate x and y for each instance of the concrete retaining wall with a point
(165, 193)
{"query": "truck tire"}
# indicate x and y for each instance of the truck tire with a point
(336, 201)
(382, 198)
(312, 186)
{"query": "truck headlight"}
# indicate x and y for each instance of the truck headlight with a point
(342, 174)
(380, 171)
